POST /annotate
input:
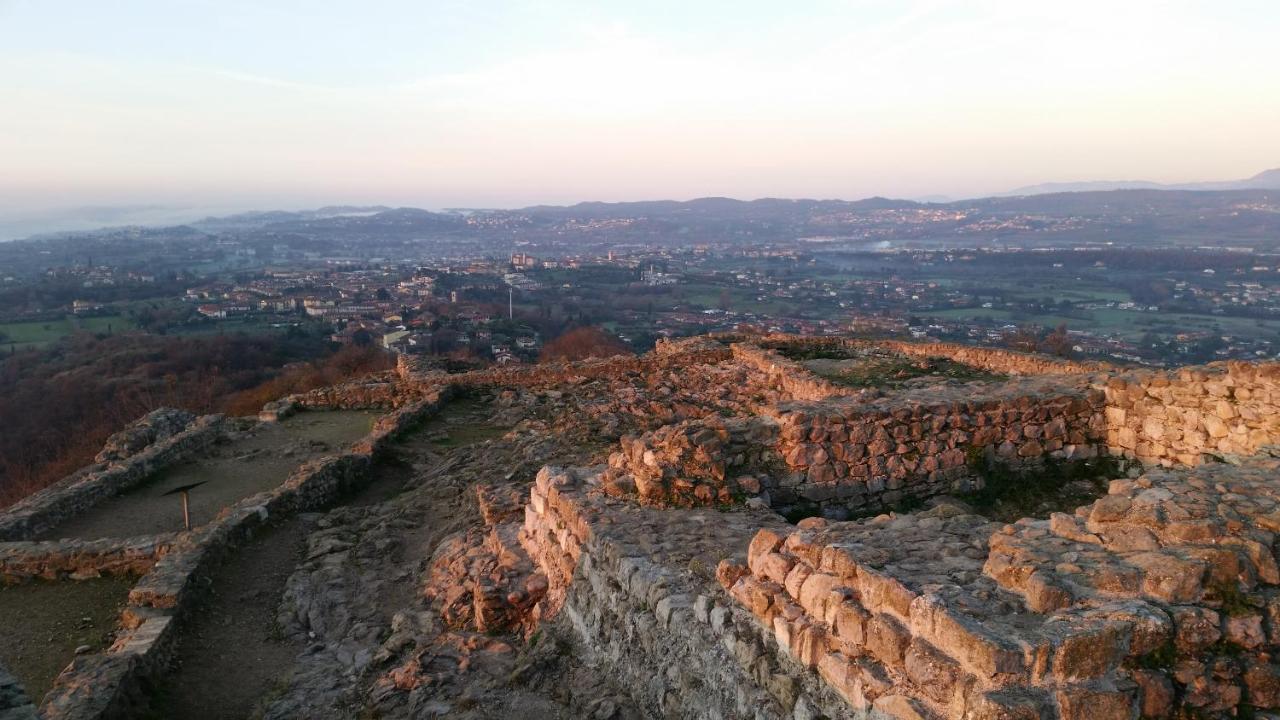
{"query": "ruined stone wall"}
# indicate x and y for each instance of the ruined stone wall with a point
(872, 455)
(666, 356)
(787, 376)
(672, 636)
(702, 462)
(1160, 600)
(1230, 408)
(373, 393)
(51, 506)
(851, 455)
(74, 559)
(112, 684)
(1007, 362)
(406, 385)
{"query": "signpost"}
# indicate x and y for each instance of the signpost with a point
(184, 490)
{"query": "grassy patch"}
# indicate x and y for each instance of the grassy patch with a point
(893, 372)
(36, 334)
(44, 622)
(800, 353)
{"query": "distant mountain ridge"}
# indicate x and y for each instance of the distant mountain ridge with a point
(738, 218)
(1265, 180)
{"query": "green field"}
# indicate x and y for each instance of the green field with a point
(740, 300)
(37, 334)
(1128, 323)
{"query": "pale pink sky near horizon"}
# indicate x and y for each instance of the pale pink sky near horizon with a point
(439, 104)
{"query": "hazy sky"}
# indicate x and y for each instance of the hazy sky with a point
(437, 103)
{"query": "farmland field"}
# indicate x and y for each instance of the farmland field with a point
(38, 333)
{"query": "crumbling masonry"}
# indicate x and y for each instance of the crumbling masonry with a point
(675, 567)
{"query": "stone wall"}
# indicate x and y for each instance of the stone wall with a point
(861, 456)
(703, 462)
(395, 389)
(74, 559)
(667, 355)
(1230, 408)
(1007, 362)
(637, 586)
(847, 455)
(787, 376)
(73, 495)
(1161, 599)
(112, 684)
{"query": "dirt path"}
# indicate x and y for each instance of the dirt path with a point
(256, 461)
(231, 651)
(233, 656)
(42, 624)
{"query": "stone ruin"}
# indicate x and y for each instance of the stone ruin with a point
(674, 565)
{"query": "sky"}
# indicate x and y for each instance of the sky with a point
(159, 105)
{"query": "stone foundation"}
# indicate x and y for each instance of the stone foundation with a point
(112, 684)
(638, 586)
(122, 470)
(1161, 597)
(851, 455)
(847, 455)
(1006, 362)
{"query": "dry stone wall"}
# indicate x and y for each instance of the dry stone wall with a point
(637, 585)
(112, 684)
(787, 376)
(128, 464)
(995, 360)
(1007, 362)
(1160, 599)
(1230, 408)
(81, 559)
(702, 462)
(857, 456)
(405, 385)
(847, 455)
